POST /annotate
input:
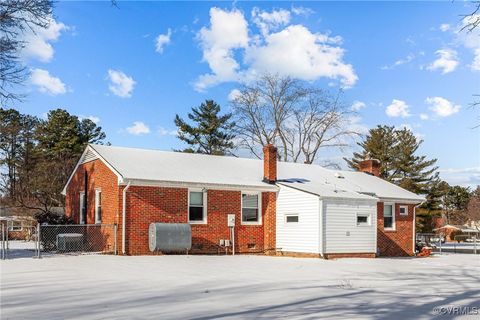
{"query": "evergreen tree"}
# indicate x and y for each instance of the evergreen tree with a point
(377, 145)
(210, 133)
(397, 152)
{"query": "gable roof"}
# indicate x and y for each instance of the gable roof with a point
(144, 166)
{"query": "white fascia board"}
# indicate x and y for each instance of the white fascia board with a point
(211, 186)
(402, 201)
(79, 162)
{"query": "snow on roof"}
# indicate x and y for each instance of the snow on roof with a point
(154, 165)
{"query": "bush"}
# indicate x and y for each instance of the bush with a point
(52, 218)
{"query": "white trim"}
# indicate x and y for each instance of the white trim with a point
(400, 210)
(398, 200)
(393, 228)
(286, 215)
(205, 205)
(10, 226)
(80, 161)
(98, 196)
(259, 199)
(81, 217)
(199, 185)
(369, 220)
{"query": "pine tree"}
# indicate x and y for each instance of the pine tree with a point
(379, 144)
(400, 164)
(210, 133)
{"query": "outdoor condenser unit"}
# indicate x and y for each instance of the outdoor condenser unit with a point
(169, 237)
(69, 241)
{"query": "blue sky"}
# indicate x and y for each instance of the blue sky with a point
(134, 67)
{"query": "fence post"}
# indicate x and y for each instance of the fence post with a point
(39, 246)
(115, 239)
(475, 244)
(3, 242)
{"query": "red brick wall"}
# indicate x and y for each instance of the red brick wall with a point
(398, 242)
(99, 176)
(159, 204)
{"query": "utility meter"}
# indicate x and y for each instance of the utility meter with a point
(231, 220)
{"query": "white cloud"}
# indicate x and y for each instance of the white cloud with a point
(444, 27)
(399, 62)
(470, 40)
(37, 41)
(302, 11)
(94, 119)
(468, 177)
(164, 132)
(228, 30)
(424, 116)
(357, 105)
(398, 108)
(446, 62)
(138, 128)
(162, 40)
(294, 51)
(476, 60)
(47, 83)
(120, 84)
(297, 52)
(267, 21)
(442, 107)
(233, 94)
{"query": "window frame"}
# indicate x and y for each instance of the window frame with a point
(98, 205)
(392, 228)
(292, 215)
(81, 217)
(400, 210)
(11, 227)
(259, 208)
(369, 219)
(204, 206)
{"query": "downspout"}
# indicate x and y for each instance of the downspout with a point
(124, 215)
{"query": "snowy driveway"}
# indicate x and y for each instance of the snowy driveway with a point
(219, 287)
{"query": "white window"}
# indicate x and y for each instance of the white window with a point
(14, 225)
(197, 209)
(291, 218)
(251, 208)
(389, 216)
(403, 210)
(82, 209)
(363, 219)
(98, 206)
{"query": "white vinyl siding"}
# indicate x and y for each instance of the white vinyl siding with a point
(301, 236)
(342, 234)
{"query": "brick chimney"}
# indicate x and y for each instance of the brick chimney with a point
(370, 166)
(269, 163)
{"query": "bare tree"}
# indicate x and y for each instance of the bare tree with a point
(16, 18)
(298, 119)
(473, 18)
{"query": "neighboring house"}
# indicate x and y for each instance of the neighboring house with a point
(18, 227)
(462, 232)
(280, 208)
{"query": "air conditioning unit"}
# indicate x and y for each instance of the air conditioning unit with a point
(69, 241)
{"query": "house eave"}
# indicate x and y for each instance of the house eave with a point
(187, 184)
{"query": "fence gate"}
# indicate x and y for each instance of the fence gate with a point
(77, 238)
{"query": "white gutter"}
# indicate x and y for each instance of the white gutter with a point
(124, 215)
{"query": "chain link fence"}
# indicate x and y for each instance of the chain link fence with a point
(78, 238)
(59, 239)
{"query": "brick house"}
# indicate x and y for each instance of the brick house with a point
(280, 208)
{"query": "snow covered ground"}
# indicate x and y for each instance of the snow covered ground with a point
(213, 287)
